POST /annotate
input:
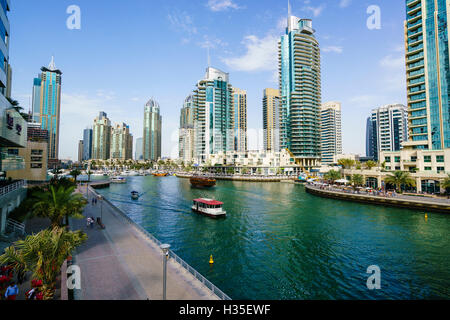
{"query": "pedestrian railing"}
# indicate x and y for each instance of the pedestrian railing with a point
(219, 293)
(12, 187)
(15, 226)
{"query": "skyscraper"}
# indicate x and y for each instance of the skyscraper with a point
(370, 139)
(300, 86)
(80, 151)
(213, 115)
(186, 135)
(121, 142)
(139, 155)
(331, 131)
(101, 137)
(87, 144)
(152, 131)
(240, 119)
(390, 128)
(271, 119)
(47, 90)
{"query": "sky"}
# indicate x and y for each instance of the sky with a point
(126, 52)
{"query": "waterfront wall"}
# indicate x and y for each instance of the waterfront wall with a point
(421, 205)
(243, 178)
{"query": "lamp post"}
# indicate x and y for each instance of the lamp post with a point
(100, 198)
(165, 249)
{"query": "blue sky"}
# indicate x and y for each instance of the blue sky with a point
(129, 51)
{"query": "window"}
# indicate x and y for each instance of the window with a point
(427, 158)
(427, 168)
(440, 170)
(387, 159)
(388, 168)
(36, 166)
(398, 168)
(414, 159)
(36, 152)
(439, 158)
(397, 159)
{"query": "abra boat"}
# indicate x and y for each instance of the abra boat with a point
(160, 174)
(118, 180)
(202, 182)
(135, 195)
(210, 208)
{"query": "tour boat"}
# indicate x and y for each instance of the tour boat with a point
(210, 208)
(202, 182)
(135, 195)
(118, 180)
(161, 174)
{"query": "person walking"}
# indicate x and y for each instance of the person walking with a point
(12, 291)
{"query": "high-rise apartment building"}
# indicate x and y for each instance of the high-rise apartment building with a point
(428, 73)
(101, 137)
(87, 144)
(213, 115)
(240, 119)
(121, 142)
(370, 139)
(271, 119)
(331, 131)
(80, 151)
(186, 135)
(47, 104)
(152, 131)
(390, 128)
(139, 155)
(300, 89)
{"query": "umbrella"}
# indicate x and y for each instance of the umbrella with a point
(342, 181)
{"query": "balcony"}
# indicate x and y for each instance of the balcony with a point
(7, 187)
(11, 162)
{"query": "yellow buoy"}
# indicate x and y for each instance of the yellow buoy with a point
(211, 260)
(426, 216)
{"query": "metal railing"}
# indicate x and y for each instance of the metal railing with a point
(12, 187)
(208, 284)
(15, 226)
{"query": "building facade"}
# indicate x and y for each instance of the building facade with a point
(186, 134)
(390, 128)
(370, 146)
(331, 131)
(300, 88)
(101, 137)
(80, 151)
(47, 90)
(152, 131)
(87, 144)
(213, 115)
(139, 155)
(271, 119)
(428, 73)
(121, 142)
(240, 119)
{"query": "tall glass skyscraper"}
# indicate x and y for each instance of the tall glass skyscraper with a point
(213, 115)
(121, 142)
(101, 137)
(87, 144)
(331, 131)
(271, 119)
(47, 94)
(152, 131)
(240, 119)
(300, 88)
(186, 135)
(428, 73)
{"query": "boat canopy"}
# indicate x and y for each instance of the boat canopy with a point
(209, 202)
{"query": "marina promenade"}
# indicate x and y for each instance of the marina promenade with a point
(119, 263)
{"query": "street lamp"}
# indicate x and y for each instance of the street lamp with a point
(100, 198)
(165, 249)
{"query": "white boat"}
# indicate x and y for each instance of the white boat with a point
(209, 207)
(133, 173)
(118, 180)
(135, 195)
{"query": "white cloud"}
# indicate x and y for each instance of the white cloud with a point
(391, 61)
(335, 49)
(222, 5)
(182, 22)
(344, 3)
(316, 11)
(261, 55)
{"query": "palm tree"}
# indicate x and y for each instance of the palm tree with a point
(357, 180)
(446, 185)
(89, 173)
(43, 254)
(57, 203)
(346, 163)
(399, 178)
(332, 175)
(75, 173)
(371, 164)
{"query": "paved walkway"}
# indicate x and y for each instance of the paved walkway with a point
(118, 263)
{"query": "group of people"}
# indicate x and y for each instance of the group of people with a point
(90, 222)
(10, 289)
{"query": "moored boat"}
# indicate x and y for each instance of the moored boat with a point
(160, 174)
(118, 180)
(202, 182)
(209, 207)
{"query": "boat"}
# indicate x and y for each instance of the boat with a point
(202, 182)
(118, 180)
(209, 207)
(135, 195)
(160, 174)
